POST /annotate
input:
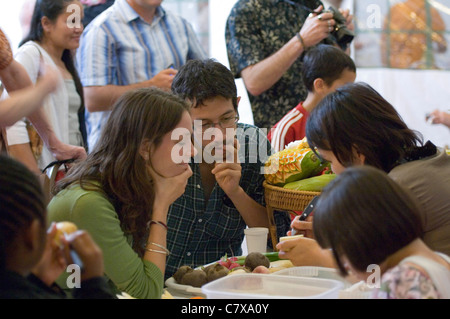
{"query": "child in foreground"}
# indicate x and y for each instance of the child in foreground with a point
(368, 219)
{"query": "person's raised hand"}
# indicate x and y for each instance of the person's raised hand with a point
(163, 79)
(88, 251)
(52, 263)
(169, 189)
(228, 173)
(317, 27)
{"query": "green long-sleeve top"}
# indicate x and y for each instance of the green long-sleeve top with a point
(93, 212)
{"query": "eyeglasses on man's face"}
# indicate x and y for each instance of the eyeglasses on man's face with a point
(225, 122)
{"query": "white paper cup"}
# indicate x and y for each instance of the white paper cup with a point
(256, 238)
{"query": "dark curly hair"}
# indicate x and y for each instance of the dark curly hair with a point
(200, 80)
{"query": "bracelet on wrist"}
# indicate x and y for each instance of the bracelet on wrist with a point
(157, 222)
(302, 42)
(157, 251)
(166, 251)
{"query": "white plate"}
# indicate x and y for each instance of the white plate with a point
(184, 291)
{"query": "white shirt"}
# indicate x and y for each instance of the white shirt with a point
(56, 105)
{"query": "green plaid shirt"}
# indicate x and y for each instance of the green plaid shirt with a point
(201, 232)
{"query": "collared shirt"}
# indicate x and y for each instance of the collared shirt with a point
(201, 232)
(256, 29)
(120, 48)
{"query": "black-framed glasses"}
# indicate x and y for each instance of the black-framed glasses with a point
(225, 122)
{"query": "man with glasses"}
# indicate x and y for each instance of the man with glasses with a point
(225, 193)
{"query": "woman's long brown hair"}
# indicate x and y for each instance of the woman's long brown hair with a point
(115, 166)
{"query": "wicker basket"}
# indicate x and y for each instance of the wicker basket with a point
(278, 198)
(287, 199)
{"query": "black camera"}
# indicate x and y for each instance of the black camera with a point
(340, 34)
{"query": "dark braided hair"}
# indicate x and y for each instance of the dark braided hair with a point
(21, 202)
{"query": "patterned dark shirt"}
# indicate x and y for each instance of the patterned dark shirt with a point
(255, 30)
(201, 232)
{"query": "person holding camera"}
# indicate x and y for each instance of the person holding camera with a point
(278, 32)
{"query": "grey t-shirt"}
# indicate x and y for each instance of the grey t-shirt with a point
(75, 137)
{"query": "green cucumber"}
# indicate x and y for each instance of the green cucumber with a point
(312, 184)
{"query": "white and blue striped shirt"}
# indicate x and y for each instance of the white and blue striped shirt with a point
(120, 48)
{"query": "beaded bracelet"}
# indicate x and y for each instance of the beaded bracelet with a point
(157, 222)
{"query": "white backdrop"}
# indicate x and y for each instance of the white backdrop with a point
(413, 93)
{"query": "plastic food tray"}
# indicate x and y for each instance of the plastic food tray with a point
(263, 286)
(315, 272)
(349, 291)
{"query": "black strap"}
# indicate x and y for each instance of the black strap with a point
(66, 161)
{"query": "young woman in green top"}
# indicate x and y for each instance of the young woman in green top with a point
(122, 192)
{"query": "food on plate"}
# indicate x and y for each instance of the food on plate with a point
(64, 228)
(292, 164)
(181, 272)
(280, 265)
(311, 184)
(253, 262)
(194, 278)
(261, 270)
(255, 259)
(239, 270)
(229, 262)
(216, 271)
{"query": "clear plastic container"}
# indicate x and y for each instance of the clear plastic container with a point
(350, 290)
(264, 286)
(315, 272)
